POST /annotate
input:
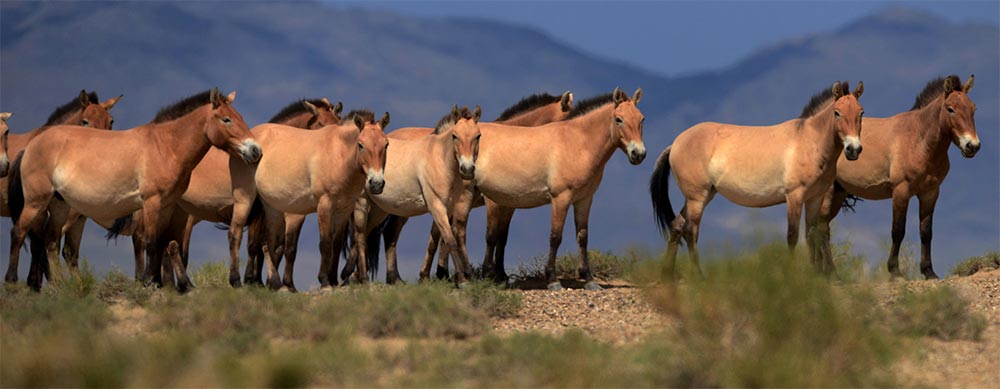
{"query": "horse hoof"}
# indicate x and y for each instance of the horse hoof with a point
(555, 286)
(592, 285)
(442, 273)
(235, 282)
(274, 284)
(931, 276)
(184, 287)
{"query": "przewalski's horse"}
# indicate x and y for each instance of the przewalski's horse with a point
(4, 131)
(793, 162)
(907, 155)
(423, 175)
(323, 171)
(147, 167)
(530, 111)
(561, 164)
(209, 196)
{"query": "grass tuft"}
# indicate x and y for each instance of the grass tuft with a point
(118, 287)
(939, 312)
(972, 265)
(603, 265)
(211, 275)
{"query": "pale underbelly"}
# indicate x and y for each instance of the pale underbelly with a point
(402, 203)
(518, 196)
(751, 194)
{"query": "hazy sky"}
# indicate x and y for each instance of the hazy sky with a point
(607, 28)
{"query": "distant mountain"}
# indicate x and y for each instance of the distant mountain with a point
(156, 53)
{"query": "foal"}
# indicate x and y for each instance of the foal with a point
(793, 162)
(908, 156)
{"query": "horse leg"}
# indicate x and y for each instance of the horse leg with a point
(900, 204)
(432, 244)
(442, 271)
(338, 232)
(256, 238)
(673, 243)
(581, 218)
(440, 213)
(492, 237)
(293, 228)
(560, 206)
(52, 232)
(275, 229)
(329, 259)
(459, 222)
(186, 231)
(360, 217)
(500, 252)
(832, 203)
(73, 232)
(927, 202)
(151, 236)
(694, 209)
(391, 237)
(793, 201)
(816, 234)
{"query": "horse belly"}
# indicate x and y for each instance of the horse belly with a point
(403, 202)
(98, 203)
(752, 190)
(518, 196)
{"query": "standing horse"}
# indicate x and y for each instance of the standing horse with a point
(534, 110)
(323, 171)
(908, 156)
(147, 167)
(561, 164)
(793, 162)
(424, 175)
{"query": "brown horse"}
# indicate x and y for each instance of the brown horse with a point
(793, 162)
(561, 164)
(323, 171)
(209, 196)
(4, 131)
(534, 110)
(424, 175)
(907, 155)
(146, 167)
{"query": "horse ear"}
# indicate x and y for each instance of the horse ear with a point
(476, 114)
(213, 96)
(968, 83)
(110, 103)
(837, 91)
(455, 114)
(327, 102)
(858, 90)
(5, 115)
(338, 108)
(312, 108)
(359, 122)
(566, 102)
(385, 121)
(948, 86)
(231, 97)
(84, 98)
(637, 96)
(617, 96)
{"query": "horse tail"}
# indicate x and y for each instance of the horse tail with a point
(121, 226)
(850, 201)
(658, 193)
(15, 190)
(373, 240)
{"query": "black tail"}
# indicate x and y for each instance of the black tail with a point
(659, 195)
(373, 240)
(850, 201)
(120, 226)
(15, 192)
(254, 217)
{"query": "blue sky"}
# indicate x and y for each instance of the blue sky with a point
(608, 29)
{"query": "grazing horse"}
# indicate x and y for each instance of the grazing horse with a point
(561, 164)
(4, 131)
(907, 155)
(793, 162)
(147, 167)
(423, 175)
(322, 171)
(534, 110)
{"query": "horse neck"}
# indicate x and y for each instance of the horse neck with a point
(929, 133)
(535, 117)
(346, 136)
(594, 132)
(300, 120)
(821, 130)
(182, 140)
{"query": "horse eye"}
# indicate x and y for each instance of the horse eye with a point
(619, 120)
(951, 110)
(861, 114)
(479, 136)
(454, 137)
(361, 146)
(836, 114)
(225, 119)
(86, 123)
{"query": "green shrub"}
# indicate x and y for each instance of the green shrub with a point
(424, 310)
(972, 265)
(938, 312)
(117, 287)
(491, 299)
(211, 275)
(603, 265)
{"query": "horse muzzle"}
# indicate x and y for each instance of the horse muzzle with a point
(250, 151)
(970, 147)
(636, 152)
(852, 148)
(467, 168)
(376, 183)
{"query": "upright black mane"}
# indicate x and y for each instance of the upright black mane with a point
(366, 115)
(183, 107)
(589, 105)
(528, 103)
(819, 100)
(447, 120)
(294, 108)
(934, 89)
(69, 108)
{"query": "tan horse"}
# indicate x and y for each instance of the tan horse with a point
(793, 162)
(424, 175)
(209, 196)
(907, 155)
(4, 131)
(147, 167)
(561, 164)
(323, 171)
(534, 110)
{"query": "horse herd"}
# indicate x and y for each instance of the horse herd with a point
(197, 160)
